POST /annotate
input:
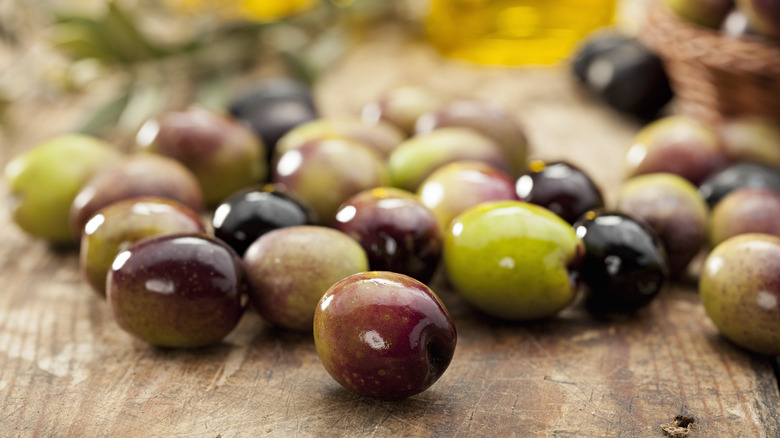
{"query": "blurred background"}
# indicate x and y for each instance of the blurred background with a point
(128, 59)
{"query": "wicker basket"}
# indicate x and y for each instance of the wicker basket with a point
(714, 76)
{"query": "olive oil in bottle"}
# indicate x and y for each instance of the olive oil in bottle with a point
(514, 32)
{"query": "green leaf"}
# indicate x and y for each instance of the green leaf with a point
(144, 101)
(126, 37)
(112, 38)
(81, 39)
(106, 116)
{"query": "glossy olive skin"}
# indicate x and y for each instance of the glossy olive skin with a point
(274, 107)
(676, 144)
(324, 173)
(456, 187)
(560, 187)
(736, 176)
(672, 207)
(513, 260)
(223, 153)
(245, 216)
(289, 270)
(746, 210)
(396, 230)
(135, 176)
(740, 290)
(383, 335)
(625, 265)
(181, 291)
(117, 226)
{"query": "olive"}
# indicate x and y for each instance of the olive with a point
(177, 290)
(274, 107)
(738, 176)
(746, 210)
(560, 187)
(245, 216)
(672, 207)
(678, 144)
(739, 291)
(396, 230)
(628, 76)
(592, 47)
(624, 266)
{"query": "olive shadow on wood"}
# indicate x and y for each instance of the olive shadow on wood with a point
(268, 334)
(570, 321)
(425, 402)
(185, 355)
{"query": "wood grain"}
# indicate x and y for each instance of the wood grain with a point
(66, 369)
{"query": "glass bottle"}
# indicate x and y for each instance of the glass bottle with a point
(514, 32)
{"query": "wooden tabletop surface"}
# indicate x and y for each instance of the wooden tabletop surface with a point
(66, 369)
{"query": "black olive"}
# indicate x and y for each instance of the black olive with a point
(624, 266)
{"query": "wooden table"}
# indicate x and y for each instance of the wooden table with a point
(66, 369)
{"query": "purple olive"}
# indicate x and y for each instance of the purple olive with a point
(135, 176)
(324, 173)
(289, 270)
(223, 153)
(747, 210)
(117, 226)
(396, 230)
(383, 335)
(178, 290)
(679, 145)
(672, 207)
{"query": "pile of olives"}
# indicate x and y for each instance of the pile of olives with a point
(714, 191)
(208, 216)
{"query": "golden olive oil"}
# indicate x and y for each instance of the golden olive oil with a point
(514, 32)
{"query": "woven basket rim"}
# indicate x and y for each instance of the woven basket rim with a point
(673, 37)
